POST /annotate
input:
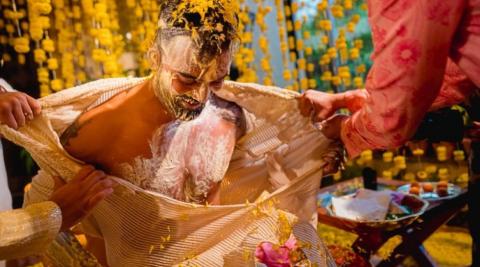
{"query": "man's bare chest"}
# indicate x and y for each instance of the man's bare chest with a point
(107, 141)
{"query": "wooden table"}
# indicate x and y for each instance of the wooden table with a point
(370, 240)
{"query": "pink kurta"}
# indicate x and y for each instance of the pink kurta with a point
(413, 41)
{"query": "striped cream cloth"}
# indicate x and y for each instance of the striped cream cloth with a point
(276, 169)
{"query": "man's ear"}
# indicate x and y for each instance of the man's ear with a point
(155, 57)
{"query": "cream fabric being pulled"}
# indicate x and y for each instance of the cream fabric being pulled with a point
(275, 170)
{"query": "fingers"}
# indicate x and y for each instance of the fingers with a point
(322, 115)
(304, 105)
(94, 200)
(34, 105)
(18, 114)
(27, 111)
(9, 119)
(100, 186)
(83, 173)
(92, 179)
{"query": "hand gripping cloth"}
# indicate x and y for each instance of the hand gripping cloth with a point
(274, 173)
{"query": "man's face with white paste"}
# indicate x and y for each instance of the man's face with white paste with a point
(182, 82)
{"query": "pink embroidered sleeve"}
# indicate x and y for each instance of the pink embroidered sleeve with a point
(412, 39)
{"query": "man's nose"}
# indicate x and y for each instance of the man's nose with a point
(202, 93)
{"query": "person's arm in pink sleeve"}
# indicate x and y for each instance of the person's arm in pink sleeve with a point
(455, 89)
(412, 39)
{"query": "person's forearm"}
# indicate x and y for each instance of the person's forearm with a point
(352, 100)
(28, 231)
(409, 65)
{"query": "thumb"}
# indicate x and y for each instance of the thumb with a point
(58, 182)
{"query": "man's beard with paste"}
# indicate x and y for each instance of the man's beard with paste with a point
(173, 102)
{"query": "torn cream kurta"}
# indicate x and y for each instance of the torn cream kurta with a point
(276, 168)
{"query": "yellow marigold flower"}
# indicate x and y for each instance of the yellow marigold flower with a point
(287, 75)
(327, 76)
(421, 175)
(418, 152)
(59, 3)
(358, 82)
(443, 174)
(267, 80)
(302, 64)
(291, 43)
(348, 4)
(48, 45)
(21, 59)
(306, 35)
(289, 26)
(325, 39)
(361, 68)
(341, 45)
(300, 45)
(6, 57)
(332, 52)
(138, 12)
(294, 7)
(110, 66)
(39, 55)
(52, 64)
(409, 176)
(265, 65)
(354, 53)
(9, 28)
(81, 76)
(400, 162)
(463, 178)
(76, 12)
(293, 56)
(310, 67)
(387, 175)
(21, 45)
(44, 21)
(24, 25)
(100, 7)
(130, 3)
(387, 156)
(295, 73)
(322, 6)
(295, 86)
(43, 75)
(459, 155)
(367, 155)
(344, 74)
(298, 25)
(283, 47)
(304, 83)
(355, 18)
(359, 43)
(56, 84)
(263, 43)
(431, 169)
(44, 90)
(312, 83)
(98, 54)
(336, 80)
(105, 37)
(41, 8)
(351, 27)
